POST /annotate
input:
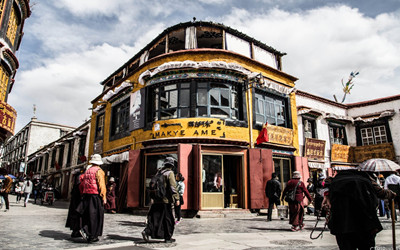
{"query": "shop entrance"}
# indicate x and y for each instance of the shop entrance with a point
(222, 181)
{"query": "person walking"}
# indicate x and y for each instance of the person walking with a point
(36, 189)
(352, 200)
(19, 191)
(296, 208)
(74, 220)
(392, 182)
(28, 187)
(110, 205)
(319, 196)
(180, 186)
(273, 192)
(6, 188)
(91, 208)
(160, 220)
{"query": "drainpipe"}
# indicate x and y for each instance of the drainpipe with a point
(250, 113)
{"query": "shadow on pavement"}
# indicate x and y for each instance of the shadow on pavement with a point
(56, 235)
(119, 237)
(131, 223)
(271, 229)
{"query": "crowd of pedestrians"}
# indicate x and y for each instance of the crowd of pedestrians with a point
(348, 201)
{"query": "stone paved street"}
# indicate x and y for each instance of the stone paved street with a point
(42, 227)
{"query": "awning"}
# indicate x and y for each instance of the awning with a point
(375, 116)
(343, 167)
(117, 158)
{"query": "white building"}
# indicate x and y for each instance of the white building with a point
(26, 141)
(333, 136)
(56, 160)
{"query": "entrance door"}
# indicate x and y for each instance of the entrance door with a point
(221, 181)
(283, 170)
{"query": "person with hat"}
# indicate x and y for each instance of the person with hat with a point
(93, 190)
(160, 219)
(296, 208)
(110, 205)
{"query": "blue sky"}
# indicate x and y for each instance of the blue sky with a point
(70, 46)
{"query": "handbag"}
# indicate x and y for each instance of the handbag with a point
(291, 195)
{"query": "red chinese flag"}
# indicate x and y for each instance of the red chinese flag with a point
(263, 136)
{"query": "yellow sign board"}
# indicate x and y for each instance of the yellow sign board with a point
(341, 153)
(280, 135)
(384, 150)
(209, 127)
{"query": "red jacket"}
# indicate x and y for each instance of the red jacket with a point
(88, 181)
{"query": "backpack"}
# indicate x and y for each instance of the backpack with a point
(291, 195)
(157, 190)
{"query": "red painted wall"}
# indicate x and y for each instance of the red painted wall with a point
(186, 169)
(133, 190)
(260, 171)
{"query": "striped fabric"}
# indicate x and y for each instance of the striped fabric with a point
(378, 165)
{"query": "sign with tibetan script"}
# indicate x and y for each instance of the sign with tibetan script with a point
(384, 150)
(314, 149)
(210, 127)
(280, 135)
(8, 116)
(341, 153)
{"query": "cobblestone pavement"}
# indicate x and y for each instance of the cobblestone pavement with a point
(43, 227)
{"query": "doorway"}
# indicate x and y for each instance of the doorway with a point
(222, 181)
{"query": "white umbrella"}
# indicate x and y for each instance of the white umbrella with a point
(379, 165)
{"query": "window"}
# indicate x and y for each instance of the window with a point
(337, 135)
(120, 119)
(61, 156)
(271, 109)
(53, 159)
(194, 99)
(12, 26)
(69, 155)
(100, 127)
(82, 146)
(373, 135)
(4, 77)
(310, 128)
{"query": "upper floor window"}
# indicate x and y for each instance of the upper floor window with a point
(373, 135)
(337, 135)
(4, 77)
(310, 128)
(120, 119)
(194, 99)
(271, 109)
(99, 127)
(82, 147)
(12, 26)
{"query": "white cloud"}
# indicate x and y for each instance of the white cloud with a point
(63, 88)
(324, 45)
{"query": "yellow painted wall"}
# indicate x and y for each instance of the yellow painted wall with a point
(236, 133)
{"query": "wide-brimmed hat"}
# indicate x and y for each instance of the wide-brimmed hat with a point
(296, 175)
(321, 176)
(112, 179)
(169, 161)
(96, 159)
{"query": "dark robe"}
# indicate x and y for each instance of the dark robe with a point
(110, 205)
(296, 208)
(92, 211)
(353, 204)
(74, 218)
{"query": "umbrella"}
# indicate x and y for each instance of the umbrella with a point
(378, 165)
(12, 176)
(2, 177)
(382, 165)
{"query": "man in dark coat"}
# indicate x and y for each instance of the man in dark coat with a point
(353, 202)
(160, 220)
(273, 192)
